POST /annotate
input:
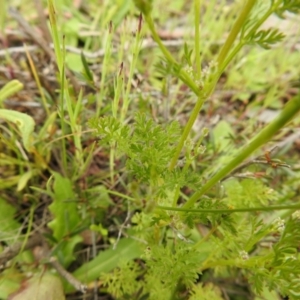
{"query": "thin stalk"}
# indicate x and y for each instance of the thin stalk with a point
(61, 71)
(243, 41)
(209, 88)
(264, 18)
(119, 90)
(135, 53)
(124, 38)
(186, 131)
(176, 195)
(197, 38)
(3, 15)
(55, 36)
(112, 162)
(235, 31)
(205, 238)
(224, 211)
(28, 231)
(104, 71)
(62, 120)
(289, 111)
(121, 195)
(157, 39)
(65, 94)
(183, 75)
(73, 112)
(188, 127)
(37, 80)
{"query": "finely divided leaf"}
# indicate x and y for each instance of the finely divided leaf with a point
(266, 38)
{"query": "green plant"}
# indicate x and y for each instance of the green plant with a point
(181, 210)
(152, 158)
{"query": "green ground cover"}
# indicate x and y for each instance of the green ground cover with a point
(149, 149)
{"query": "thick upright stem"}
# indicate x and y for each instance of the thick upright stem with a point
(234, 31)
(290, 110)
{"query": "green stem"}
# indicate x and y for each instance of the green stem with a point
(186, 131)
(135, 53)
(224, 211)
(104, 71)
(243, 41)
(157, 39)
(176, 195)
(234, 31)
(208, 90)
(197, 38)
(289, 111)
(62, 121)
(183, 75)
(205, 238)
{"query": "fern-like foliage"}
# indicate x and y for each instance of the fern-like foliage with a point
(148, 148)
(269, 37)
(280, 268)
(266, 38)
(292, 6)
(187, 56)
(157, 278)
(151, 148)
(248, 193)
(166, 68)
(122, 281)
(205, 292)
(111, 131)
(211, 219)
(173, 264)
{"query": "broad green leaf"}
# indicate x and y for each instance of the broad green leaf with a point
(63, 208)
(66, 219)
(122, 11)
(45, 286)
(24, 178)
(10, 280)
(9, 89)
(222, 133)
(25, 124)
(74, 62)
(8, 225)
(87, 71)
(65, 250)
(127, 249)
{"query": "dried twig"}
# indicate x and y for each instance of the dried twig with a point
(13, 250)
(128, 216)
(272, 163)
(31, 32)
(44, 254)
(147, 44)
(68, 276)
